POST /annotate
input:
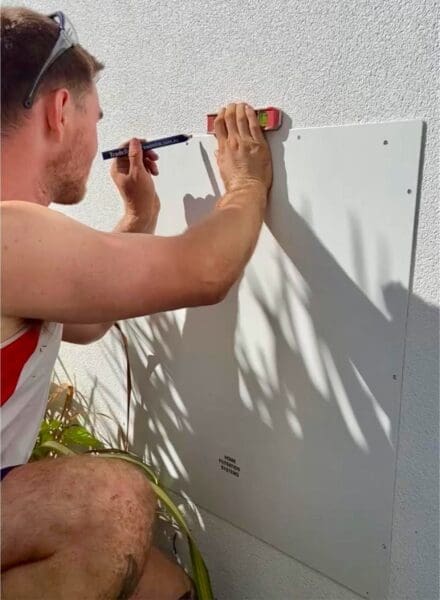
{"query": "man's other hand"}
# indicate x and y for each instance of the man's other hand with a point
(133, 176)
(243, 154)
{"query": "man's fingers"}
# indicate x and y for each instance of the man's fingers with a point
(242, 121)
(136, 158)
(151, 166)
(231, 120)
(150, 161)
(121, 163)
(149, 158)
(135, 154)
(151, 155)
(254, 125)
(220, 126)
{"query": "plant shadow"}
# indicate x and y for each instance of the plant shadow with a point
(316, 400)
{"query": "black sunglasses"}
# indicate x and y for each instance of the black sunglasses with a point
(67, 38)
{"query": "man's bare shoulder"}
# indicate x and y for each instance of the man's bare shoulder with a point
(26, 224)
(12, 208)
(21, 219)
(8, 205)
(48, 254)
(20, 213)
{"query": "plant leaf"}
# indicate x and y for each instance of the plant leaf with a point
(201, 577)
(77, 434)
(57, 447)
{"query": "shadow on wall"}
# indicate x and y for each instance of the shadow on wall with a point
(349, 392)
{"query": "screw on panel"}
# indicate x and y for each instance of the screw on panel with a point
(409, 191)
(385, 142)
(395, 377)
(298, 137)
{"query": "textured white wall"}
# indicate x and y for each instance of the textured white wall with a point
(324, 63)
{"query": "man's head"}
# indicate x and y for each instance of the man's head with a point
(60, 126)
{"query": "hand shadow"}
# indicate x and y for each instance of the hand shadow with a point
(197, 208)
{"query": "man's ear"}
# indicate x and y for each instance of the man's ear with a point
(57, 107)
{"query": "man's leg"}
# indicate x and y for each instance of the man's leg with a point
(76, 527)
(158, 569)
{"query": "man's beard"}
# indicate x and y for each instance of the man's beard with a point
(67, 176)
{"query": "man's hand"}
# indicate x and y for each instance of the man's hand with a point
(133, 176)
(243, 154)
(228, 236)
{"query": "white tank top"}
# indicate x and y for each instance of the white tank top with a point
(27, 361)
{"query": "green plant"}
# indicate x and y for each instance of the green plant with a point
(64, 432)
(61, 430)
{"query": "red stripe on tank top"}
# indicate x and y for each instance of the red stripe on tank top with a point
(13, 357)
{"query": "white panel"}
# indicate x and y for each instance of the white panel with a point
(295, 378)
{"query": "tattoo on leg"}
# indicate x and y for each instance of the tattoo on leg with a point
(131, 579)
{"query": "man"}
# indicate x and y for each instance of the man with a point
(63, 537)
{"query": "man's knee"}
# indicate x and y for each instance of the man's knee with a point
(115, 497)
(111, 484)
(102, 503)
(80, 522)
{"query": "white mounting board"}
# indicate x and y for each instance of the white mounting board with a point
(295, 378)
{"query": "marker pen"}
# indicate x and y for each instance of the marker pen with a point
(167, 141)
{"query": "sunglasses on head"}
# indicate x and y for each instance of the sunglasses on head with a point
(67, 38)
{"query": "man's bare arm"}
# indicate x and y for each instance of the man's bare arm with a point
(80, 333)
(59, 270)
(56, 269)
(216, 234)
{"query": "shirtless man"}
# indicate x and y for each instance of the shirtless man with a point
(62, 537)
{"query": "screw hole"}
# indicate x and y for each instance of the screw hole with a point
(385, 142)
(298, 137)
(409, 191)
(395, 377)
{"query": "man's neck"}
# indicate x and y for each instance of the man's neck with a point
(21, 174)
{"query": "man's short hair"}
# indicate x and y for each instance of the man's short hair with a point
(27, 38)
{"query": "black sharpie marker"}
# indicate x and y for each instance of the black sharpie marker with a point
(168, 141)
